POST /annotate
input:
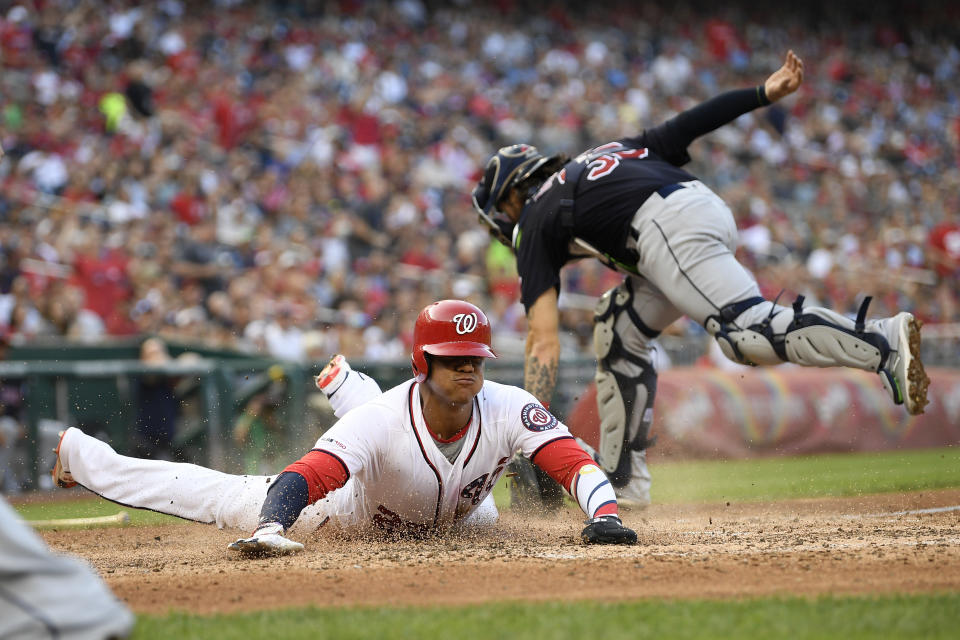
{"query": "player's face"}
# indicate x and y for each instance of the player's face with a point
(512, 205)
(457, 379)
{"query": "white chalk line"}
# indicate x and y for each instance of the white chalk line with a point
(912, 512)
(851, 516)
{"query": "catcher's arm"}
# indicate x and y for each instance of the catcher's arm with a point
(786, 79)
(672, 138)
(542, 355)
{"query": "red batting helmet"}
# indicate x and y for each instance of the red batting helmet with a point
(449, 328)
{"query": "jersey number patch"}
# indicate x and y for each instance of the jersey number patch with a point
(475, 491)
(609, 159)
(601, 161)
(391, 522)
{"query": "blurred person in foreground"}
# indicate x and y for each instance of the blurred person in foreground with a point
(629, 204)
(43, 594)
(48, 595)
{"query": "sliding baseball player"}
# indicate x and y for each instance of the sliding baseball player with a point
(420, 458)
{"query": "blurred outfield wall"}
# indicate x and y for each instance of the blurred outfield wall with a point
(705, 412)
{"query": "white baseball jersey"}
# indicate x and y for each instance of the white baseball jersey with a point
(399, 479)
(408, 484)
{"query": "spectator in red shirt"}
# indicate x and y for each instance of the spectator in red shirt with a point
(419, 253)
(189, 204)
(101, 273)
(944, 246)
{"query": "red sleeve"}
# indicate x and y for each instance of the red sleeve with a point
(323, 472)
(561, 459)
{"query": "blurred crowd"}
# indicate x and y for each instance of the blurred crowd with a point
(294, 178)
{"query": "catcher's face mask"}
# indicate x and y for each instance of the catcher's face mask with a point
(506, 169)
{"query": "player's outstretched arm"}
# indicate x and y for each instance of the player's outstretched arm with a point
(344, 387)
(301, 484)
(567, 463)
(786, 79)
(286, 498)
(673, 137)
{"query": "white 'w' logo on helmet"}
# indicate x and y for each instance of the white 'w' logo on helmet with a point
(466, 323)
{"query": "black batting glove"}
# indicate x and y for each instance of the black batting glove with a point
(607, 530)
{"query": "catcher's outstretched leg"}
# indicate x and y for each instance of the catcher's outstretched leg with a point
(50, 595)
(758, 332)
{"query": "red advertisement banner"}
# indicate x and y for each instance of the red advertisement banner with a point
(704, 412)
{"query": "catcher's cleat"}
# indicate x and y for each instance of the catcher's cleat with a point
(902, 374)
(633, 497)
(267, 540)
(333, 375)
(635, 494)
(61, 477)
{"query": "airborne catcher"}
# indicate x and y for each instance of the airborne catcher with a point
(420, 458)
(630, 205)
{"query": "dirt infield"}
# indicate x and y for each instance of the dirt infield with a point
(801, 547)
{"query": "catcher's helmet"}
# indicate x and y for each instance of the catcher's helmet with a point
(449, 328)
(507, 168)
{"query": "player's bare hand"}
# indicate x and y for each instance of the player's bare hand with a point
(786, 79)
(607, 530)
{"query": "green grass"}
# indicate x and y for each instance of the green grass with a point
(88, 507)
(850, 618)
(805, 477)
(847, 474)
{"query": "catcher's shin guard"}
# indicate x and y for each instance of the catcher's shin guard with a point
(626, 383)
(759, 332)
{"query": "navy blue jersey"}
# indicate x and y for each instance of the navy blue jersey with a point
(617, 178)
